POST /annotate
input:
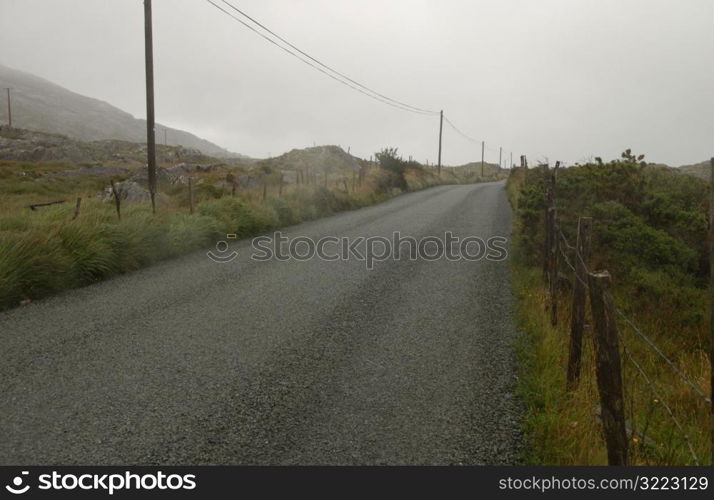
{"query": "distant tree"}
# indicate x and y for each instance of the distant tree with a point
(394, 165)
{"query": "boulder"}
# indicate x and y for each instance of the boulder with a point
(131, 192)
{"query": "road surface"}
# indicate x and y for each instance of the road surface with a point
(315, 362)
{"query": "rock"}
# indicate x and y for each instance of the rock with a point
(93, 170)
(141, 177)
(184, 168)
(131, 192)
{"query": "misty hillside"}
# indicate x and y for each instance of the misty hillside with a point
(38, 104)
(701, 170)
(22, 145)
(318, 158)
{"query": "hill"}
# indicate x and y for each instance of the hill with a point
(701, 170)
(318, 158)
(30, 146)
(39, 104)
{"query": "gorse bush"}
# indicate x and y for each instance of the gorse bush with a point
(649, 231)
(644, 217)
(394, 166)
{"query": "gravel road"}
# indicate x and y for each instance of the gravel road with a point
(315, 362)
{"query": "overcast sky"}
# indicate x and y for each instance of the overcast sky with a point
(563, 79)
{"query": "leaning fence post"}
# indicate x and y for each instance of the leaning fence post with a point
(607, 367)
(117, 201)
(577, 314)
(76, 208)
(190, 195)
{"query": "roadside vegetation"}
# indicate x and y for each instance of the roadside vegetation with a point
(46, 250)
(650, 232)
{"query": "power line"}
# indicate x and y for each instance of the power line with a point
(460, 132)
(325, 65)
(294, 51)
(373, 95)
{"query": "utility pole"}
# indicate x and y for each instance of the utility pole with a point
(150, 132)
(500, 154)
(483, 145)
(441, 127)
(9, 109)
(511, 165)
(165, 141)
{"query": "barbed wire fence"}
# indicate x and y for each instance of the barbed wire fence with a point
(612, 346)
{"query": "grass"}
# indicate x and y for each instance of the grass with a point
(45, 251)
(564, 428)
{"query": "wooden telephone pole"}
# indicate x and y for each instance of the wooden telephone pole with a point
(150, 125)
(441, 127)
(500, 157)
(9, 109)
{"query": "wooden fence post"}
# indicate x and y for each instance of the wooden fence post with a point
(552, 253)
(231, 179)
(548, 232)
(117, 201)
(190, 195)
(280, 189)
(577, 317)
(76, 208)
(711, 291)
(265, 189)
(554, 247)
(607, 367)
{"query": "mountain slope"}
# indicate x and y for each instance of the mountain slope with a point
(39, 104)
(701, 170)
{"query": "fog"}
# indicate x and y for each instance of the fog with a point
(557, 79)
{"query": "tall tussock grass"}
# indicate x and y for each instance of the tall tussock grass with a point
(46, 250)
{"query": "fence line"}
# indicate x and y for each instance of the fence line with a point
(657, 395)
(639, 332)
(607, 335)
(656, 349)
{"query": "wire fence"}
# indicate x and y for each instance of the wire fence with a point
(558, 248)
(650, 385)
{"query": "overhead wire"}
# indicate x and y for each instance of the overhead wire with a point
(373, 95)
(241, 12)
(291, 49)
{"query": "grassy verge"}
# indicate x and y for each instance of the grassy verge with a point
(667, 303)
(45, 251)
